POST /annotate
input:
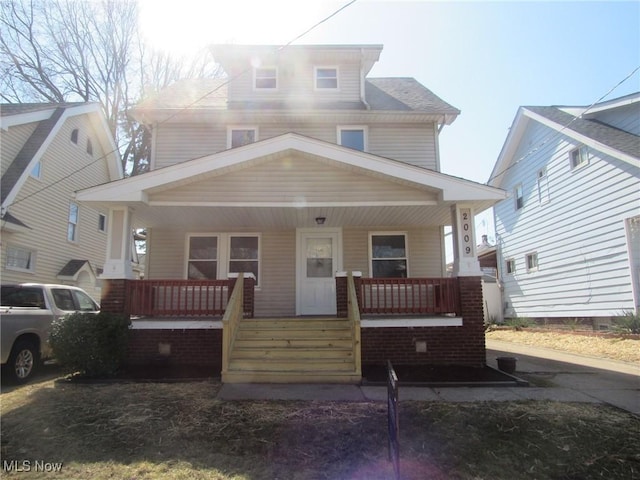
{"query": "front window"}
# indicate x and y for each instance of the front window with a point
(388, 255)
(202, 263)
(265, 78)
(244, 254)
(352, 137)
(72, 225)
(239, 136)
(326, 78)
(20, 259)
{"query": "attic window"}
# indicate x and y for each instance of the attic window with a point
(579, 157)
(89, 147)
(519, 196)
(265, 78)
(74, 136)
(326, 78)
(353, 137)
(239, 136)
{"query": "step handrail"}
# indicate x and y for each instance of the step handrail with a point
(231, 322)
(354, 319)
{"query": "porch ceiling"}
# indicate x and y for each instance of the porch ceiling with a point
(194, 218)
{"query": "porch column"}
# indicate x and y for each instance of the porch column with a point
(465, 257)
(119, 243)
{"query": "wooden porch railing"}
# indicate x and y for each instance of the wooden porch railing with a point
(231, 323)
(408, 296)
(169, 298)
(354, 320)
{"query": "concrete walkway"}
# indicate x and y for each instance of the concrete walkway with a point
(553, 375)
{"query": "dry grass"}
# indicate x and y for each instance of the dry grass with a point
(180, 431)
(616, 348)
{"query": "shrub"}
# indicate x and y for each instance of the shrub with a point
(95, 345)
(628, 322)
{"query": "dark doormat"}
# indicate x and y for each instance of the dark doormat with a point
(440, 376)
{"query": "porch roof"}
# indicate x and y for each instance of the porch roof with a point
(424, 197)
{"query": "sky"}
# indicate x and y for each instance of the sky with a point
(484, 58)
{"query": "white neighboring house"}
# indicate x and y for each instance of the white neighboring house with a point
(569, 235)
(50, 150)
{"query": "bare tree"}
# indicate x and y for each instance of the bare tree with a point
(72, 50)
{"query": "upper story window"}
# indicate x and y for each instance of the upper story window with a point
(72, 224)
(511, 265)
(353, 137)
(532, 262)
(543, 186)
(579, 157)
(89, 147)
(388, 253)
(239, 136)
(326, 78)
(519, 196)
(102, 222)
(265, 78)
(74, 135)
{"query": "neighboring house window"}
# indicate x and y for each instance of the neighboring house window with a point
(102, 222)
(202, 263)
(244, 254)
(239, 136)
(74, 135)
(352, 137)
(20, 259)
(326, 78)
(388, 253)
(72, 226)
(265, 78)
(519, 196)
(579, 157)
(543, 186)
(511, 265)
(532, 262)
(36, 171)
(89, 147)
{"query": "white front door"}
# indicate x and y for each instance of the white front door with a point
(318, 258)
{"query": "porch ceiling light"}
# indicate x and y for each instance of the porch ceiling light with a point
(320, 220)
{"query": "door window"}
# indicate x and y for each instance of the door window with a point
(319, 257)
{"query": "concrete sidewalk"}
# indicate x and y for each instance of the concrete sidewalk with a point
(555, 376)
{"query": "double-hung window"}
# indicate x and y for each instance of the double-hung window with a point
(213, 256)
(353, 137)
(202, 257)
(511, 265)
(244, 254)
(519, 196)
(265, 78)
(543, 186)
(72, 224)
(532, 262)
(388, 253)
(326, 78)
(579, 157)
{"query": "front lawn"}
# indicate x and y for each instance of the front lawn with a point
(180, 431)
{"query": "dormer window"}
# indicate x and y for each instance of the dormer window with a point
(265, 78)
(326, 78)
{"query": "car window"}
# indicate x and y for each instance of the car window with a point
(63, 299)
(22, 297)
(84, 301)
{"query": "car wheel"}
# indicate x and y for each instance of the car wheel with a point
(23, 361)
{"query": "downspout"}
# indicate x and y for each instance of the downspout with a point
(437, 130)
(363, 98)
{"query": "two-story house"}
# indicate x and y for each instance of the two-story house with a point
(292, 170)
(569, 235)
(48, 152)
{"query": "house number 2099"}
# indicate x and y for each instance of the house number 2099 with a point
(465, 234)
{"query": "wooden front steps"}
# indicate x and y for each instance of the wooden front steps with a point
(297, 350)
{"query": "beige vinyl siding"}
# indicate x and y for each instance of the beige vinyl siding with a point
(165, 254)
(424, 249)
(12, 140)
(179, 142)
(296, 84)
(414, 144)
(293, 179)
(46, 211)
